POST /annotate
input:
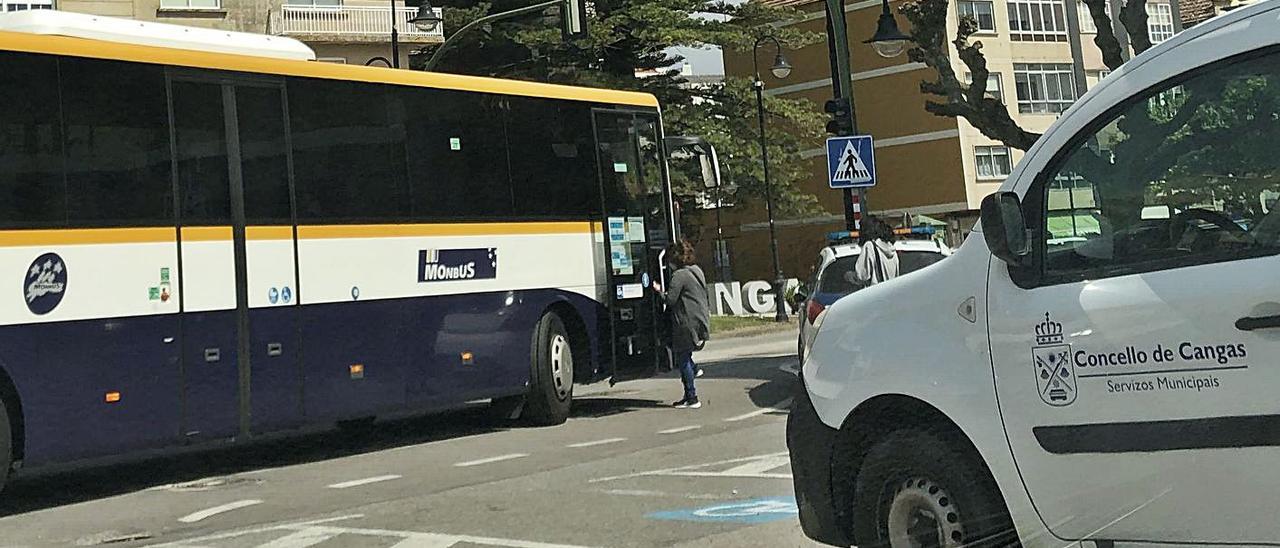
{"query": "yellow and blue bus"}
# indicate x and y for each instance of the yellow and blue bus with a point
(210, 246)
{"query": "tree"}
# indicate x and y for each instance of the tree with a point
(1200, 145)
(627, 48)
(970, 100)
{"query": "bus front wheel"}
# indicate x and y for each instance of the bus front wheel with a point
(6, 445)
(551, 383)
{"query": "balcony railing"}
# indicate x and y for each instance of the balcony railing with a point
(340, 22)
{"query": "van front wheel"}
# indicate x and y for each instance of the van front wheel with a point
(914, 489)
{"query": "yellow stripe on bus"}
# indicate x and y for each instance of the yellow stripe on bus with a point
(206, 233)
(86, 236)
(268, 233)
(320, 232)
(98, 236)
(79, 47)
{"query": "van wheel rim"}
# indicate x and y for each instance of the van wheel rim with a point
(923, 515)
(561, 366)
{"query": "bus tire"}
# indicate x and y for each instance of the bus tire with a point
(551, 382)
(914, 487)
(6, 445)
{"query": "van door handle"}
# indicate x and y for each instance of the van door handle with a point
(212, 355)
(275, 349)
(1249, 323)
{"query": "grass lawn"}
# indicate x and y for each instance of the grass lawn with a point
(726, 324)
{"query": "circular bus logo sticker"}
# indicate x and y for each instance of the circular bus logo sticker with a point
(45, 284)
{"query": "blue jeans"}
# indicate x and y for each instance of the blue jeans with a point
(684, 360)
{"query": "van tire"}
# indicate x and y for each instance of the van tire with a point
(6, 445)
(551, 379)
(913, 473)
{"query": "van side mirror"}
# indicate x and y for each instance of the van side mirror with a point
(1003, 227)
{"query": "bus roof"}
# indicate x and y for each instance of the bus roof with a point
(51, 44)
(146, 33)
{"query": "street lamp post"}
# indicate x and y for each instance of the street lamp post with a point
(426, 22)
(395, 38)
(781, 69)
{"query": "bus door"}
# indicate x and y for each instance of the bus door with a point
(238, 269)
(637, 230)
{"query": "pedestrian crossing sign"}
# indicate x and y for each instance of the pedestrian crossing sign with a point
(851, 162)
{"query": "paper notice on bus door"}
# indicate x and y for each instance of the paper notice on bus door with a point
(635, 229)
(617, 230)
(621, 258)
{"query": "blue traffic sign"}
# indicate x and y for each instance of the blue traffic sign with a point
(851, 162)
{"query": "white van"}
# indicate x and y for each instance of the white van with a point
(1120, 387)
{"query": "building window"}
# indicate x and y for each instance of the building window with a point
(1037, 21)
(982, 12)
(1086, 17)
(190, 4)
(1043, 87)
(1159, 21)
(26, 5)
(315, 3)
(995, 88)
(992, 161)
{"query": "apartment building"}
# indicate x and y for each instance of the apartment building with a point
(930, 169)
(340, 31)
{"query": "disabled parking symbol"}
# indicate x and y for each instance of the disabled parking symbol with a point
(760, 510)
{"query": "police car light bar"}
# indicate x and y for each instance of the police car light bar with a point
(850, 234)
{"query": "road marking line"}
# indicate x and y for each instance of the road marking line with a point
(295, 525)
(426, 541)
(780, 406)
(681, 429)
(498, 458)
(301, 539)
(204, 514)
(724, 475)
(758, 467)
(365, 481)
(684, 468)
(595, 443)
(422, 539)
(664, 494)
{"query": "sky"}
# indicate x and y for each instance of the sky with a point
(704, 60)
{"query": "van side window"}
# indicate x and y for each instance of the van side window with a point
(1186, 174)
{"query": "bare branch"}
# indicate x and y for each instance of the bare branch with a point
(958, 100)
(1134, 18)
(1105, 39)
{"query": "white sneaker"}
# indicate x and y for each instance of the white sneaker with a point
(686, 404)
(698, 373)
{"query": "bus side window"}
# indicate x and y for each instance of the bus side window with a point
(32, 193)
(348, 162)
(458, 164)
(124, 134)
(553, 161)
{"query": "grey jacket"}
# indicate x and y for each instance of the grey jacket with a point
(686, 297)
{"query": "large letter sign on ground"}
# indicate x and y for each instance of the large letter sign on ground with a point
(851, 162)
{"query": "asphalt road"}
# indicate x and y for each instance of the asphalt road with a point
(626, 470)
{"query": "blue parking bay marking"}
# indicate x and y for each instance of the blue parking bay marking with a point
(761, 510)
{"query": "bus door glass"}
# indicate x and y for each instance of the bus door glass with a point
(237, 271)
(632, 176)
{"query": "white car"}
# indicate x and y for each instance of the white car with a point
(833, 277)
(1117, 391)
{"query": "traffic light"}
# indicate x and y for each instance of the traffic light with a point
(841, 122)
